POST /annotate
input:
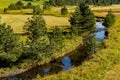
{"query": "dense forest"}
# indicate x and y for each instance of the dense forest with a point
(92, 2)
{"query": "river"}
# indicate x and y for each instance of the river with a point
(62, 64)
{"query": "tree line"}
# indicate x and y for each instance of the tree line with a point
(18, 6)
(91, 2)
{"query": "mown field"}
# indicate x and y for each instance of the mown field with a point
(18, 21)
(102, 10)
(104, 65)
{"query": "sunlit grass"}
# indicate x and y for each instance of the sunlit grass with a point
(102, 64)
(6, 3)
(18, 21)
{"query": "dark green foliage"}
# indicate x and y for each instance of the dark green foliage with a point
(10, 47)
(29, 0)
(38, 39)
(63, 2)
(5, 10)
(74, 30)
(19, 5)
(75, 2)
(29, 6)
(64, 11)
(12, 7)
(89, 45)
(57, 40)
(46, 5)
(109, 19)
(35, 27)
(52, 2)
(83, 19)
(37, 10)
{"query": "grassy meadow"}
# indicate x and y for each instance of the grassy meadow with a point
(18, 21)
(104, 65)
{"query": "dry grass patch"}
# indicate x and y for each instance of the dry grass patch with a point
(17, 21)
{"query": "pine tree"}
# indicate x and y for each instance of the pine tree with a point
(38, 39)
(19, 5)
(10, 46)
(64, 11)
(12, 7)
(109, 19)
(83, 19)
(57, 40)
(29, 5)
(37, 10)
(46, 5)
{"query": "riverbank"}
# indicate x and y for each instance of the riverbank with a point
(99, 65)
(70, 45)
(73, 58)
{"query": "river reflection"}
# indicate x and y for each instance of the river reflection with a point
(100, 35)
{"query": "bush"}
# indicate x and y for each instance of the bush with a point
(110, 19)
(29, 6)
(12, 7)
(37, 10)
(46, 5)
(64, 11)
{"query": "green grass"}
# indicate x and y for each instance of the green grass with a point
(101, 66)
(5, 3)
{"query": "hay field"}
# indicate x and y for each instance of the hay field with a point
(102, 10)
(17, 21)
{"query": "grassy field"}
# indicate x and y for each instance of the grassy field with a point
(102, 10)
(17, 21)
(104, 65)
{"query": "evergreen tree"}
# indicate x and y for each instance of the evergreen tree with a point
(109, 19)
(46, 5)
(83, 19)
(75, 2)
(37, 10)
(38, 39)
(10, 46)
(57, 40)
(12, 7)
(52, 2)
(64, 11)
(19, 5)
(5, 10)
(29, 5)
(89, 45)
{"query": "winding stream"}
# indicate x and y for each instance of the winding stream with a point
(62, 64)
